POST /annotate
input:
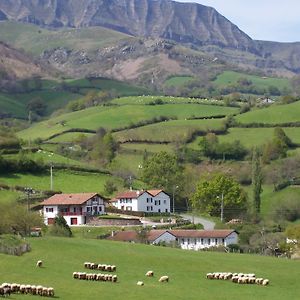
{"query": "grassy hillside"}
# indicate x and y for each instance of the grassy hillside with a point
(171, 131)
(35, 40)
(63, 180)
(177, 81)
(231, 77)
(186, 269)
(273, 114)
(118, 117)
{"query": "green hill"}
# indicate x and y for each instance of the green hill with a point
(186, 270)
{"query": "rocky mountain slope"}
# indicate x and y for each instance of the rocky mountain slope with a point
(181, 22)
(149, 22)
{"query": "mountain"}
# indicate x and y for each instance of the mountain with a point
(117, 38)
(181, 22)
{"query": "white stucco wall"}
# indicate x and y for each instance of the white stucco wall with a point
(165, 237)
(159, 203)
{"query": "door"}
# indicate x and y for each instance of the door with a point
(50, 221)
(74, 221)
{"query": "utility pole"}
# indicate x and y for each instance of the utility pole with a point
(51, 176)
(174, 188)
(222, 207)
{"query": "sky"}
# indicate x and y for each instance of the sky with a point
(271, 20)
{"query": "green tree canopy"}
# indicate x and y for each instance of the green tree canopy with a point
(162, 171)
(208, 196)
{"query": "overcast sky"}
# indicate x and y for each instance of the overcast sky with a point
(272, 20)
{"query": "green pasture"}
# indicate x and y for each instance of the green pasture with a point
(186, 270)
(8, 104)
(7, 196)
(48, 157)
(177, 81)
(127, 163)
(111, 117)
(272, 114)
(149, 148)
(231, 77)
(63, 180)
(142, 100)
(70, 137)
(170, 131)
(35, 39)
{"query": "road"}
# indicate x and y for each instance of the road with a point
(208, 225)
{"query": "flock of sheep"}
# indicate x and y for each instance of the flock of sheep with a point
(99, 276)
(14, 288)
(151, 274)
(240, 278)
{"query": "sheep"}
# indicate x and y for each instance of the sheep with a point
(140, 283)
(22, 288)
(39, 263)
(75, 275)
(114, 278)
(50, 292)
(235, 279)
(259, 280)
(265, 282)
(5, 290)
(45, 291)
(150, 274)
(113, 268)
(164, 279)
(33, 290)
(210, 276)
(87, 265)
(39, 290)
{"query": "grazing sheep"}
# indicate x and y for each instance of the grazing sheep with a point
(50, 292)
(33, 290)
(87, 265)
(39, 290)
(140, 283)
(164, 279)
(114, 278)
(75, 275)
(265, 282)
(210, 276)
(22, 288)
(150, 274)
(39, 263)
(45, 291)
(113, 268)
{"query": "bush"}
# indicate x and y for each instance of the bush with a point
(60, 228)
(13, 245)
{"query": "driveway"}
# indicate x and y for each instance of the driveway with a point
(208, 225)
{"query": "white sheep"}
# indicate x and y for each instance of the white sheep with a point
(39, 263)
(265, 282)
(150, 274)
(164, 279)
(140, 283)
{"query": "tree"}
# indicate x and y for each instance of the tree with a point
(60, 227)
(162, 171)
(38, 106)
(256, 180)
(209, 194)
(109, 187)
(293, 233)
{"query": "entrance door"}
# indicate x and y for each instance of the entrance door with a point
(74, 221)
(50, 221)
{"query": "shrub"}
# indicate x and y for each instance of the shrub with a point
(60, 228)
(13, 245)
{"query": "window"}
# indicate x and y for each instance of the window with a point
(165, 201)
(88, 209)
(100, 208)
(148, 208)
(188, 241)
(155, 203)
(202, 241)
(208, 241)
(159, 210)
(151, 207)
(216, 241)
(166, 210)
(223, 241)
(49, 209)
(158, 202)
(147, 200)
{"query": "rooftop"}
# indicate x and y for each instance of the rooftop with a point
(69, 199)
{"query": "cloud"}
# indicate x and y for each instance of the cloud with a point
(261, 19)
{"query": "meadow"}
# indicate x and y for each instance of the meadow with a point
(111, 117)
(177, 80)
(275, 114)
(66, 181)
(232, 77)
(170, 131)
(186, 270)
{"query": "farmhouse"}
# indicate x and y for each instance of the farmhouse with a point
(75, 208)
(186, 239)
(146, 201)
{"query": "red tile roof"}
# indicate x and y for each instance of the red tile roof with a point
(201, 233)
(154, 192)
(136, 194)
(68, 199)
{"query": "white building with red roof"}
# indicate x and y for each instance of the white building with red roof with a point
(185, 239)
(149, 201)
(75, 208)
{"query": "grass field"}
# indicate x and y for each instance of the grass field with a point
(273, 114)
(63, 180)
(116, 117)
(186, 270)
(70, 137)
(8, 196)
(35, 39)
(178, 80)
(150, 148)
(231, 77)
(171, 131)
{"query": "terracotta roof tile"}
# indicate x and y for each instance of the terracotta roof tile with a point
(201, 233)
(154, 192)
(128, 195)
(68, 199)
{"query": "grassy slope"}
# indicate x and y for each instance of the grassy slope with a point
(65, 181)
(177, 80)
(186, 270)
(273, 114)
(35, 39)
(171, 131)
(151, 148)
(231, 77)
(8, 196)
(116, 117)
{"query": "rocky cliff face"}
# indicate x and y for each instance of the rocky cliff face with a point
(181, 22)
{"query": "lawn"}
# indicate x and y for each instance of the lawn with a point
(178, 81)
(170, 131)
(186, 270)
(117, 117)
(63, 180)
(231, 77)
(272, 115)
